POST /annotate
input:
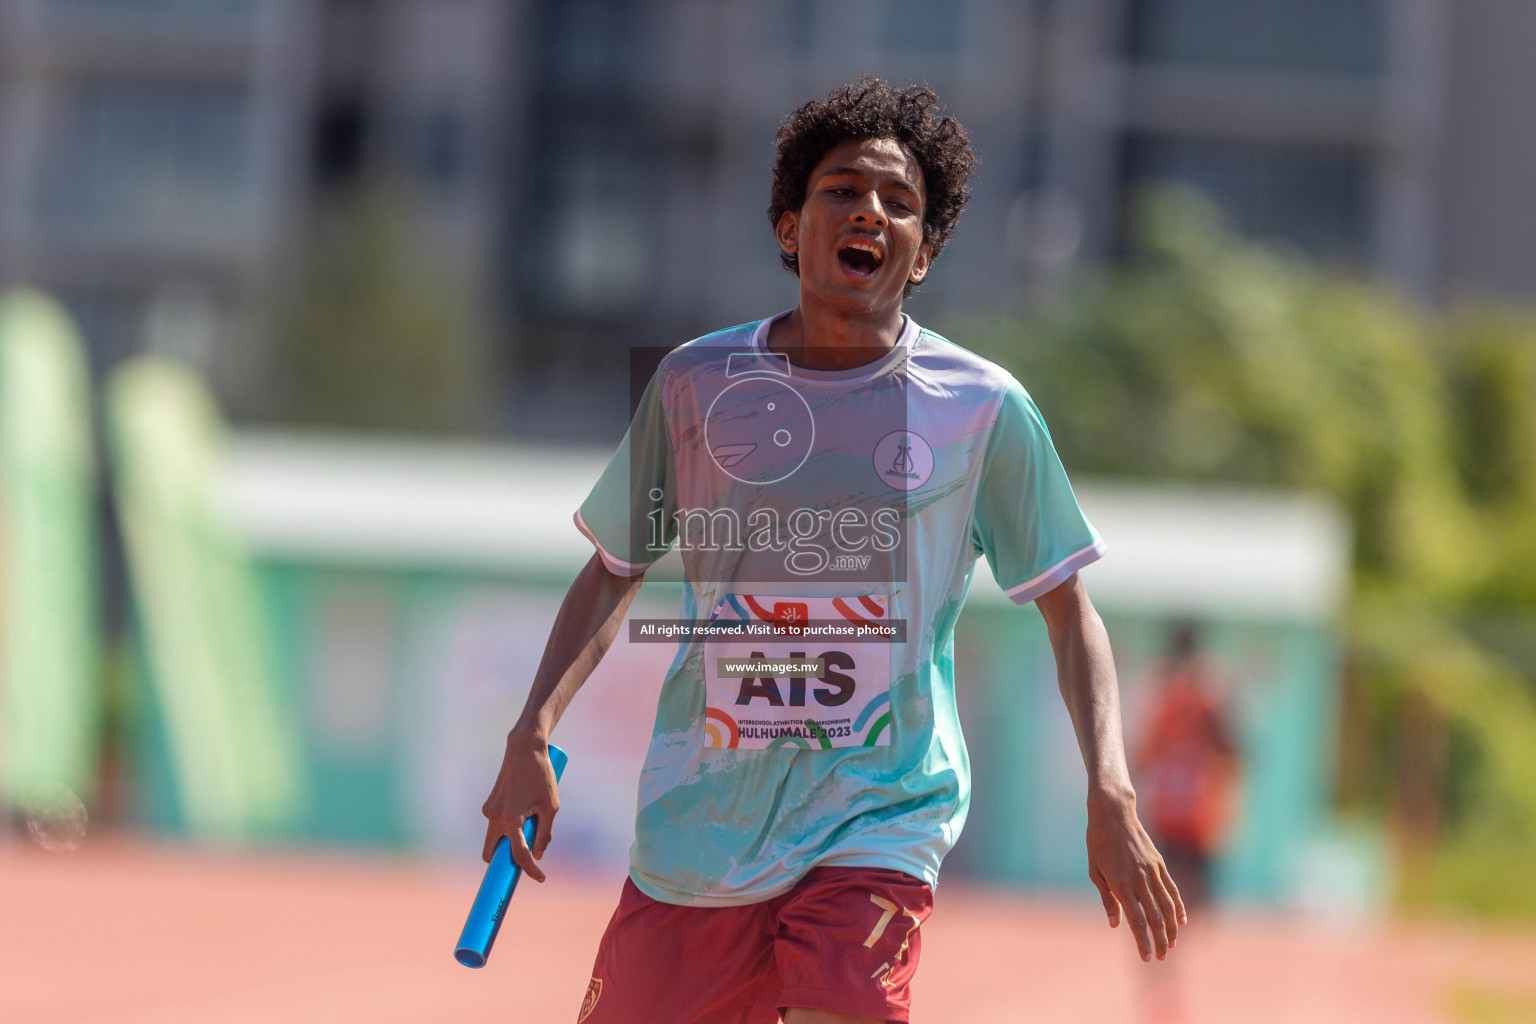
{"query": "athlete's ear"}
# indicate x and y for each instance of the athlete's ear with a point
(920, 265)
(787, 231)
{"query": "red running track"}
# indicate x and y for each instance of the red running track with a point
(130, 932)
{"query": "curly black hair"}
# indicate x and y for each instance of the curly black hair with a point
(869, 109)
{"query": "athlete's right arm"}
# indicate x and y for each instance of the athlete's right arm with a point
(585, 628)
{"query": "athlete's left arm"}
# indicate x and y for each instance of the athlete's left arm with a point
(1123, 863)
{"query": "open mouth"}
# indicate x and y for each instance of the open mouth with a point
(860, 259)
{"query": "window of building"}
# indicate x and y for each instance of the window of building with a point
(440, 149)
(796, 21)
(592, 45)
(183, 12)
(1336, 36)
(590, 239)
(922, 26)
(584, 218)
(1315, 197)
(150, 154)
(904, 26)
(111, 323)
(341, 138)
(182, 318)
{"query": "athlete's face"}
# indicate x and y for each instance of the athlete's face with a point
(859, 236)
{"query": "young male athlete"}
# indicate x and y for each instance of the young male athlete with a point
(830, 475)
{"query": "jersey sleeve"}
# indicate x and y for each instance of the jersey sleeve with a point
(630, 515)
(1026, 521)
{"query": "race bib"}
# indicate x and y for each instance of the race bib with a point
(810, 672)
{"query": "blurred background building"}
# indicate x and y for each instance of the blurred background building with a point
(592, 174)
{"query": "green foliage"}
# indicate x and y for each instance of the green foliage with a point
(1473, 1004)
(1206, 358)
(1492, 828)
(378, 339)
(1492, 375)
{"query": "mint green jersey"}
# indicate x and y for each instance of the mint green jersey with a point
(829, 524)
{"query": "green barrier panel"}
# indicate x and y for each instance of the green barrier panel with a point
(234, 747)
(49, 659)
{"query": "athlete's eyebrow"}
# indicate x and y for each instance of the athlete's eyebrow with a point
(854, 172)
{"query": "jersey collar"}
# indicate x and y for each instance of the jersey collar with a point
(836, 378)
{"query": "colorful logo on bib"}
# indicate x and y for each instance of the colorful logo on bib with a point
(904, 460)
(720, 730)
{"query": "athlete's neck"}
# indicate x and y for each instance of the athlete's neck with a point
(813, 338)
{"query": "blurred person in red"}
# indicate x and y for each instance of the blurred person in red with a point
(1188, 765)
(1186, 773)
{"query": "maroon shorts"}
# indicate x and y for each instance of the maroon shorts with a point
(843, 939)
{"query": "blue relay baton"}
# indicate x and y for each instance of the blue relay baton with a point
(496, 888)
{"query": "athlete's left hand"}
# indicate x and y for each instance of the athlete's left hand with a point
(1131, 876)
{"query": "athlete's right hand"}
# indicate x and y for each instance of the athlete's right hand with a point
(525, 786)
